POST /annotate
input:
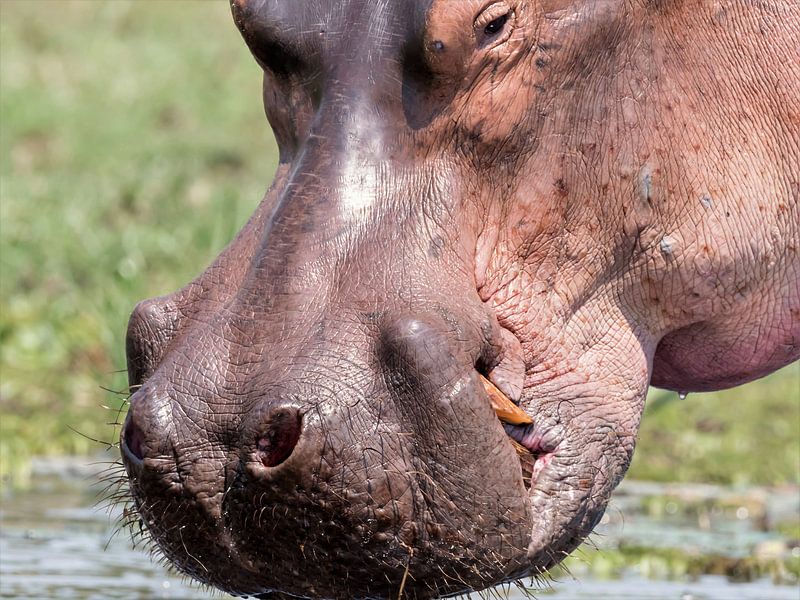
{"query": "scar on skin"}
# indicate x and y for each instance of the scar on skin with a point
(668, 245)
(646, 183)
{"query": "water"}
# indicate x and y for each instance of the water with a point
(55, 545)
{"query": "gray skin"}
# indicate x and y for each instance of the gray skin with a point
(574, 199)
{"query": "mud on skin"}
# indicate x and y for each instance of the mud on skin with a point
(421, 365)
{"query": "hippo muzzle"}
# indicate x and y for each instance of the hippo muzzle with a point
(458, 230)
(341, 466)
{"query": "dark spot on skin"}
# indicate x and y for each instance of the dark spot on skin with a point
(659, 5)
(541, 63)
(435, 247)
(548, 46)
(372, 317)
(561, 187)
(647, 184)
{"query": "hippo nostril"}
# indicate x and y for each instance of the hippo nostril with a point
(278, 438)
(133, 439)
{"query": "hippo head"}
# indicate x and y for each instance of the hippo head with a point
(311, 415)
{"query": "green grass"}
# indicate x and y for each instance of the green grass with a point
(132, 147)
(747, 435)
(676, 564)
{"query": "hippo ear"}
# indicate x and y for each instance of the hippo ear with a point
(249, 14)
(252, 18)
(242, 11)
(267, 30)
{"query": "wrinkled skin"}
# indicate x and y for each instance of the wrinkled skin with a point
(575, 199)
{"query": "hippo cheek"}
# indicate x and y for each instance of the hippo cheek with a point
(570, 484)
(585, 417)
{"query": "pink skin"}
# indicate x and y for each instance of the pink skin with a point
(580, 201)
(646, 239)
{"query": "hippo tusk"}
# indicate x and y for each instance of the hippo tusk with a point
(505, 409)
(510, 413)
(527, 458)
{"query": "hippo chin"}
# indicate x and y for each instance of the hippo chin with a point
(420, 367)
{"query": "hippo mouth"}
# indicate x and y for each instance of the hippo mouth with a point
(527, 440)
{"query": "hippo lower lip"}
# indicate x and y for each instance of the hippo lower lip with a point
(529, 437)
(534, 453)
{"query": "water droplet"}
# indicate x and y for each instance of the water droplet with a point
(683, 395)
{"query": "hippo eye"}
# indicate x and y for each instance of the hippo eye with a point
(493, 25)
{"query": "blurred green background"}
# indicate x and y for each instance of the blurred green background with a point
(132, 147)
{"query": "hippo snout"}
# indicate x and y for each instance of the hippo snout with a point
(384, 451)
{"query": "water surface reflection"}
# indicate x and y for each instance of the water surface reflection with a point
(657, 541)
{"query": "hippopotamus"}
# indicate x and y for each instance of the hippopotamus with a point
(420, 367)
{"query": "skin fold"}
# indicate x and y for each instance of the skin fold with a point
(572, 199)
